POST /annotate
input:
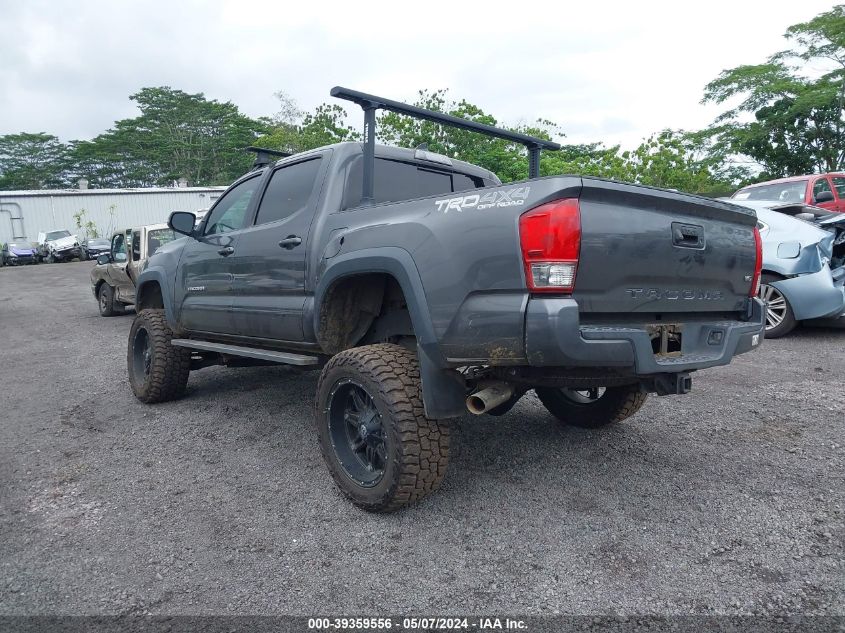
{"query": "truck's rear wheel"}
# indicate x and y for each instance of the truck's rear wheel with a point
(381, 450)
(158, 371)
(593, 407)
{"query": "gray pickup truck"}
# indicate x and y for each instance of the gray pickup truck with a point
(424, 288)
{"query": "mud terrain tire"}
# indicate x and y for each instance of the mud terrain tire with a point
(158, 371)
(401, 455)
(576, 409)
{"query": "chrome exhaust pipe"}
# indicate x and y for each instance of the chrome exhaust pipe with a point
(489, 397)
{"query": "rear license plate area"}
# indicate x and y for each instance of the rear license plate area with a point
(666, 339)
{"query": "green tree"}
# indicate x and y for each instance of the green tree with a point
(32, 161)
(88, 227)
(674, 159)
(293, 131)
(591, 159)
(507, 160)
(176, 135)
(797, 124)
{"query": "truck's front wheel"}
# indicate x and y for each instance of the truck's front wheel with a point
(593, 407)
(105, 301)
(158, 371)
(381, 450)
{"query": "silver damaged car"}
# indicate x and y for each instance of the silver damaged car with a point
(803, 265)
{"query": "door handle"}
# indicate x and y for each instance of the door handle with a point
(291, 241)
(687, 235)
(226, 251)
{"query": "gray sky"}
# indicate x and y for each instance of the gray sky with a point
(605, 71)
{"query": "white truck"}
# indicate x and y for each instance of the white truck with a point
(113, 278)
(58, 246)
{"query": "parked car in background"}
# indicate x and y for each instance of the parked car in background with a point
(58, 246)
(113, 278)
(93, 247)
(18, 252)
(803, 277)
(826, 191)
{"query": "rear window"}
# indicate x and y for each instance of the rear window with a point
(794, 191)
(395, 181)
(158, 238)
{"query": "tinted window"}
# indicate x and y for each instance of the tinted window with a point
(229, 214)
(395, 181)
(839, 184)
(288, 191)
(821, 186)
(462, 182)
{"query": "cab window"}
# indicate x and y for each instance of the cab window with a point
(158, 238)
(136, 246)
(229, 214)
(118, 248)
(821, 186)
(395, 180)
(288, 191)
(839, 185)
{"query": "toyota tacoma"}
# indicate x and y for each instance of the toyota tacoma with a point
(423, 288)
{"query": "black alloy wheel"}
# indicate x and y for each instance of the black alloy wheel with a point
(357, 434)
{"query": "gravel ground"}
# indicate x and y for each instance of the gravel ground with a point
(728, 500)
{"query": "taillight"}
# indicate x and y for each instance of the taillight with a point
(758, 264)
(550, 237)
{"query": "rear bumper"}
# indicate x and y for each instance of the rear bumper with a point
(816, 295)
(554, 336)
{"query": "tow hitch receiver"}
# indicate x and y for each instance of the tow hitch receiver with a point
(672, 384)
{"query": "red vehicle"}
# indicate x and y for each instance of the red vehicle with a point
(822, 190)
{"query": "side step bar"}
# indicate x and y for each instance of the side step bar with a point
(284, 358)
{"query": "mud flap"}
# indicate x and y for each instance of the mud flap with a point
(443, 390)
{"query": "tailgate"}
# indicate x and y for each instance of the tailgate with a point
(653, 251)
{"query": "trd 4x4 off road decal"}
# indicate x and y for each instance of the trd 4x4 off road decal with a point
(502, 198)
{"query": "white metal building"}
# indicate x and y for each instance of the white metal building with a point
(23, 214)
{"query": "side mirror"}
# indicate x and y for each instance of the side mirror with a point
(824, 196)
(182, 222)
(105, 258)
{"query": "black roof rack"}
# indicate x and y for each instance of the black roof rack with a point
(264, 156)
(370, 103)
